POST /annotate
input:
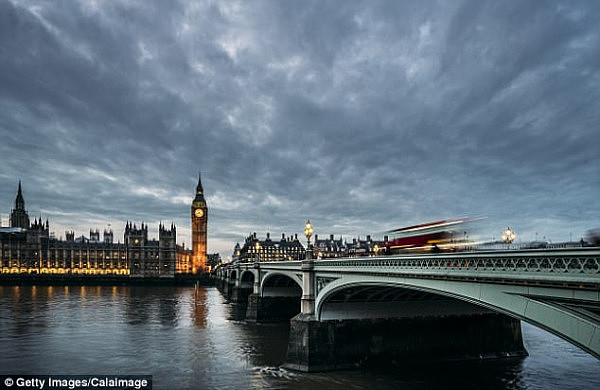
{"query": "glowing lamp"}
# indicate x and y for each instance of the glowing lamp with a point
(508, 235)
(308, 230)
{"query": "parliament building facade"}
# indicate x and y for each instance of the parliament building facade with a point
(29, 247)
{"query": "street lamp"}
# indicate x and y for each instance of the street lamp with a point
(308, 231)
(508, 236)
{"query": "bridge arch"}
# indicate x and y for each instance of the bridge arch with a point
(379, 301)
(247, 275)
(553, 314)
(233, 276)
(281, 285)
(247, 279)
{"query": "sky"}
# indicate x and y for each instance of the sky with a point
(362, 116)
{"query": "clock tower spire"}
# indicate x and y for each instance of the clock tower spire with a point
(199, 229)
(199, 189)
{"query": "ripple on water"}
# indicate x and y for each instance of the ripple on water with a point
(275, 372)
(189, 338)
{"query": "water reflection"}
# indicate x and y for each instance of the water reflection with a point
(237, 311)
(200, 304)
(190, 338)
(22, 313)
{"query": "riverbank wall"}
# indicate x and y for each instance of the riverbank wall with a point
(94, 280)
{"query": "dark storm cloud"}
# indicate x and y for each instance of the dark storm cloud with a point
(362, 116)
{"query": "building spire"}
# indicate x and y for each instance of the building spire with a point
(18, 216)
(19, 201)
(199, 190)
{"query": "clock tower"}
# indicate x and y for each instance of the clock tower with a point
(199, 230)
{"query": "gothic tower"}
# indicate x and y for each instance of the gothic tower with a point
(18, 216)
(199, 230)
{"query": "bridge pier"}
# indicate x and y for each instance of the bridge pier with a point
(308, 285)
(239, 294)
(220, 284)
(227, 287)
(235, 294)
(341, 344)
(271, 309)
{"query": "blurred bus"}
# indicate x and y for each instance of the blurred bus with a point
(438, 236)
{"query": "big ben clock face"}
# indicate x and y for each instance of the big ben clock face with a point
(199, 213)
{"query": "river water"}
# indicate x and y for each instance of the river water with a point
(189, 338)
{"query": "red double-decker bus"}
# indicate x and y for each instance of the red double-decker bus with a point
(447, 234)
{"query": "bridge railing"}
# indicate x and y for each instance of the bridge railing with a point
(553, 265)
(568, 265)
(283, 265)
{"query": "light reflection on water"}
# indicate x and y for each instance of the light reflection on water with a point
(190, 339)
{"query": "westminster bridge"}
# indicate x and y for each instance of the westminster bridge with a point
(449, 306)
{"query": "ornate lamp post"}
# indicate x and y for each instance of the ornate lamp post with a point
(308, 231)
(307, 302)
(508, 236)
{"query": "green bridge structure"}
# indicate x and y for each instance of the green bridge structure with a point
(447, 306)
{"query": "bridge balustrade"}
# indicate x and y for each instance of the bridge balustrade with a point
(535, 262)
(571, 265)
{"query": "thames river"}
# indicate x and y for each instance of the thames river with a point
(189, 338)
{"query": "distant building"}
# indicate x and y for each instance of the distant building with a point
(360, 247)
(332, 248)
(30, 248)
(329, 247)
(254, 249)
(183, 262)
(290, 248)
(237, 252)
(212, 261)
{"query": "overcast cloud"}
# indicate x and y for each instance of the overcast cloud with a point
(363, 116)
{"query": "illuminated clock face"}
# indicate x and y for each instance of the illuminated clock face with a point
(199, 213)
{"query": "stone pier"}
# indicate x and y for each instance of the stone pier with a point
(342, 344)
(227, 288)
(271, 309)
(240, 294)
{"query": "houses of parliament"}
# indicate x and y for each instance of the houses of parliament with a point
(28, 247)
